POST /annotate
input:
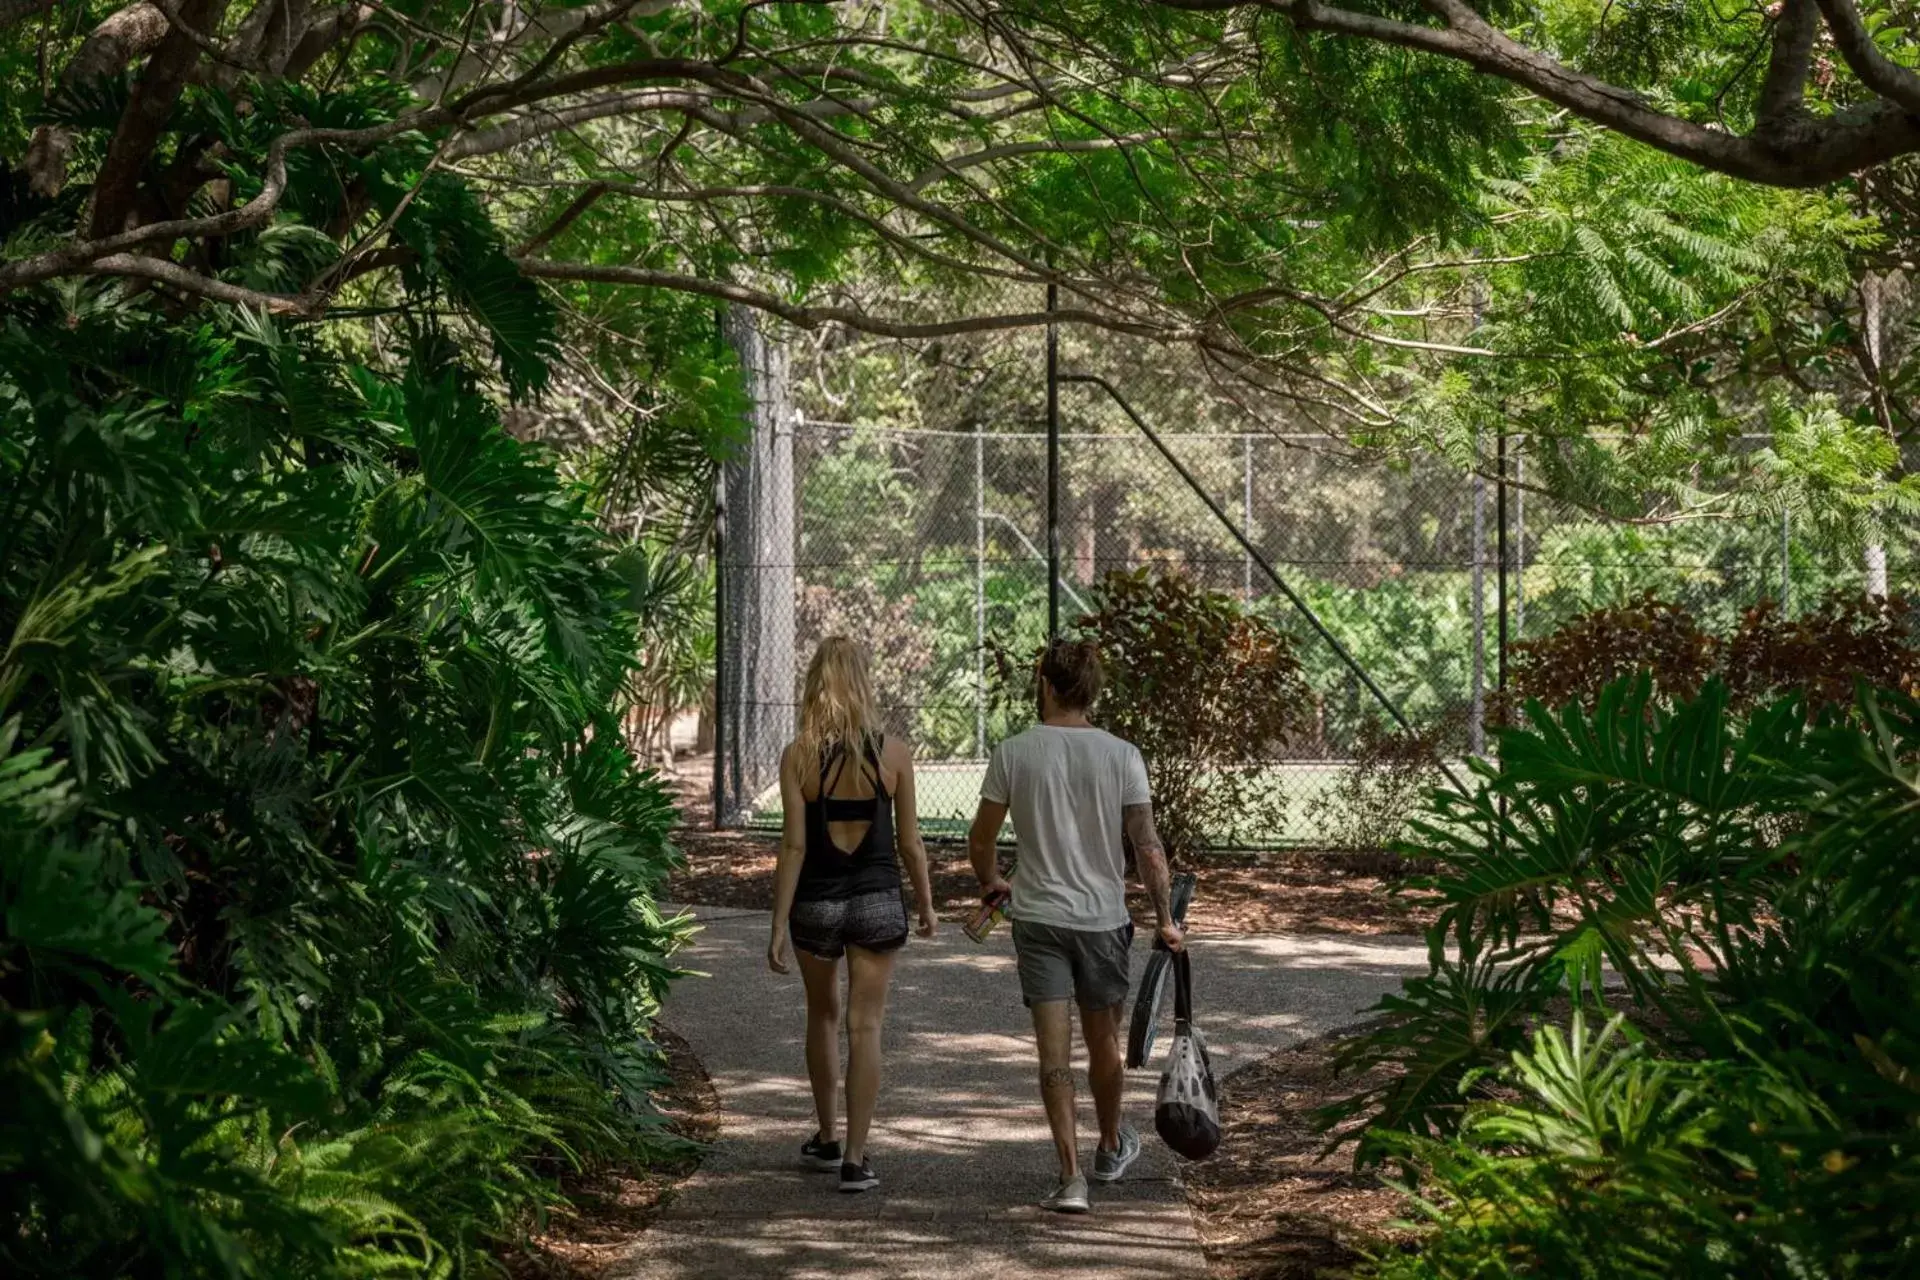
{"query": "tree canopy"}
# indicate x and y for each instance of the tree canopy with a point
(1795, 93)
(326, 875)
(1348, 217)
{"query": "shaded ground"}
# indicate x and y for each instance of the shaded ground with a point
(1268, 1205)
(1265, 1208)
(960, 1142)
(606, 1208)
(1288, 892)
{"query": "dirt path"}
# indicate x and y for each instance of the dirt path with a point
(960, 1143)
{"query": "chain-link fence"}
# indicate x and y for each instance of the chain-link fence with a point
(899, 496)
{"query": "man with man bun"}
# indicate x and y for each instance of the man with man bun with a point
(1078, 795)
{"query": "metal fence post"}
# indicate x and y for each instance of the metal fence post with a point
(980, 590)
(1500, 545)
(1053, 463)
(1786, 564)
(1246, 511)
(1520, 548)
(1477, 714)
(720, 725)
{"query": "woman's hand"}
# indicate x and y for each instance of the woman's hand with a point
(928, 920)
(777, 949)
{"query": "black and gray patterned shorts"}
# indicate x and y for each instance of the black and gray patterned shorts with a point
(826, 927)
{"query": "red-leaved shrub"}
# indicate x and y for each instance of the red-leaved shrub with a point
(1820, 655)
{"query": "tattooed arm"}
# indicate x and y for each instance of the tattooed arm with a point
(1151, 857)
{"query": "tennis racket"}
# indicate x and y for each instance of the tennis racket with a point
(1153, 982)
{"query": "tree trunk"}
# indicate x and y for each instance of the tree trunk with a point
(757, 567)
(1872, 316)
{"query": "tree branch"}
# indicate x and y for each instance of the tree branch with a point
(1813, 153)
(910, 245)
(556, 24)
(1043, 146)
(568, 216)
(146, 115)
(1863, 57)
(814, 317)
(1783, 89)
(839, 149)
(77, 258)
(161, 271)
(1332, 315)
(545, 121)
(323, 32)
(119, 38)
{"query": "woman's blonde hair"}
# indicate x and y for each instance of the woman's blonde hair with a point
(837, 703)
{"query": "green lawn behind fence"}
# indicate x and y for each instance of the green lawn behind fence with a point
(949, 790)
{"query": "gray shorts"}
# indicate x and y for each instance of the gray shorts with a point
(1091, 966)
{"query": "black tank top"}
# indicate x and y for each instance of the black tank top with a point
(870, 866)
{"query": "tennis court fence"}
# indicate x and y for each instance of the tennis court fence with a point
(911, 511)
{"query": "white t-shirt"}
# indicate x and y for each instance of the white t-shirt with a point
(1065, 789)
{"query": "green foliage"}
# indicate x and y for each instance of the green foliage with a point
(1412, 634)
(1740, 890)
(673, 591)
(456, 247)
(326, 882)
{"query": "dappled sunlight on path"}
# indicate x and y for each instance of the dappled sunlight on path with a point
(960, 1142)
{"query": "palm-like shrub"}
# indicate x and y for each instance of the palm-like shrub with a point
(1744, 894)
(325, 874)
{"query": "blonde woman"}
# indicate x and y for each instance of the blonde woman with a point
(847, 794)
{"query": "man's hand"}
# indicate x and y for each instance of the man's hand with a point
(777, 950)
(1174, 936)
(994, 887)
(928, 920)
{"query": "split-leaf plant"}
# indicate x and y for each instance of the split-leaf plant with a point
(326, 927)
(1730, 905)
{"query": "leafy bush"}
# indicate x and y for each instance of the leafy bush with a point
(1742, 890)
(1764, 656)
(324, 874)
(1616, 1162)
(1209, 693)
(1382, 788)
(674, 668)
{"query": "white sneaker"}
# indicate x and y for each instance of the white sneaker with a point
(1069, 1197)
(1108, 1166)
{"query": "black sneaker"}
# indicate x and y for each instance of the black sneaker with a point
(821, 1156)
(855, 1178)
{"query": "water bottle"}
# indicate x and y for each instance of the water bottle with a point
(992, 911)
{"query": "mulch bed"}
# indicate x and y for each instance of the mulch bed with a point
(1287, 892)
(1268, 1205)
(586, 1237)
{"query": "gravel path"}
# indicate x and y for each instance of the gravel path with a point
(960, 1142)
